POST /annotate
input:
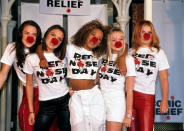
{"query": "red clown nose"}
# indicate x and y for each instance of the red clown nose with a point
(118, 44)
(54, 41)
(30, 39)
(146, 36)
(94, 40)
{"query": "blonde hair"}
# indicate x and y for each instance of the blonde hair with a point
(120, 61)
(137, 32)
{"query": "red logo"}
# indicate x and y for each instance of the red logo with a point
(168, 117)
(172, 97)
(136, 61)
(49, 72)
(80, 64)
(68, 10)
(103, 69)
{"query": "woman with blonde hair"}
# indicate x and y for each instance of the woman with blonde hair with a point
(117, 74)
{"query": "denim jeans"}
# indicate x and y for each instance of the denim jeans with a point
(49, 110)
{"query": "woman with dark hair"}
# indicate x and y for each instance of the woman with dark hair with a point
(149, 59)
(87, 109)
(52, 85)
(28, 37)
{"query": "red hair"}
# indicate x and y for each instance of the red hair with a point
(137, 35)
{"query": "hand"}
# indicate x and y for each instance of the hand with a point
(127, 122)
(71, 91)
(164, 106)
(31, 118)
(44, 63)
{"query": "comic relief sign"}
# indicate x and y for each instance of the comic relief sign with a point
(175, 110)
(66, 7)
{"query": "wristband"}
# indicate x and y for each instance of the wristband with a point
(31, 112)
(128, 116)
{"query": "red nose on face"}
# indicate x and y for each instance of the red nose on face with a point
(54, 41)
(146, 36)
(94, 40)
(118, 44)
(30, 39)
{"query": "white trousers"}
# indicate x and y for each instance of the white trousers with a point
(87, 110)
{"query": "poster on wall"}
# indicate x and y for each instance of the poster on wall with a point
(170, 34)
(75, 22)
(30, 11)
(67, 7)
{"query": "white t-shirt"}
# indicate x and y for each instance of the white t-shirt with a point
(109, 74)
(147, 64)
(52, 81)
(9, 58)
(82, 64)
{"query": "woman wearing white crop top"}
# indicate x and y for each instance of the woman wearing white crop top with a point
(117, 74)
(52, 85)
(28, 37)
(87, 109)
(149, 59)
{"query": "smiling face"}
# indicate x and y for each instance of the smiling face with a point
(53, 40)
(94, 39)
(117, 42)
(29, 34)
(146, 36)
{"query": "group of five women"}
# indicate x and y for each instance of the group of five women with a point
(110, 87)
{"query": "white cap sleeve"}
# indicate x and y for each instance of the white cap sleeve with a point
(9, 54)
(162, 60)
(130, 66)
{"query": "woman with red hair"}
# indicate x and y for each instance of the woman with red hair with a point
(149, 59)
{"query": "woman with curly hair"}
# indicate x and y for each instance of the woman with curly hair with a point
(87, 109)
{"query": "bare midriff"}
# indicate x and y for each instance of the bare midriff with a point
(81, 84)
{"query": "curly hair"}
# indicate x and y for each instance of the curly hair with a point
(19, 46)
(120, 62)
(79, 39)
(137, 32)
(60, 51)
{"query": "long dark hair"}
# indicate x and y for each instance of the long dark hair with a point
(60, 51)
(79, 39)
(19, 46)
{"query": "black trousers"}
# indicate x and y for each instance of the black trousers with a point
(49, 110)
